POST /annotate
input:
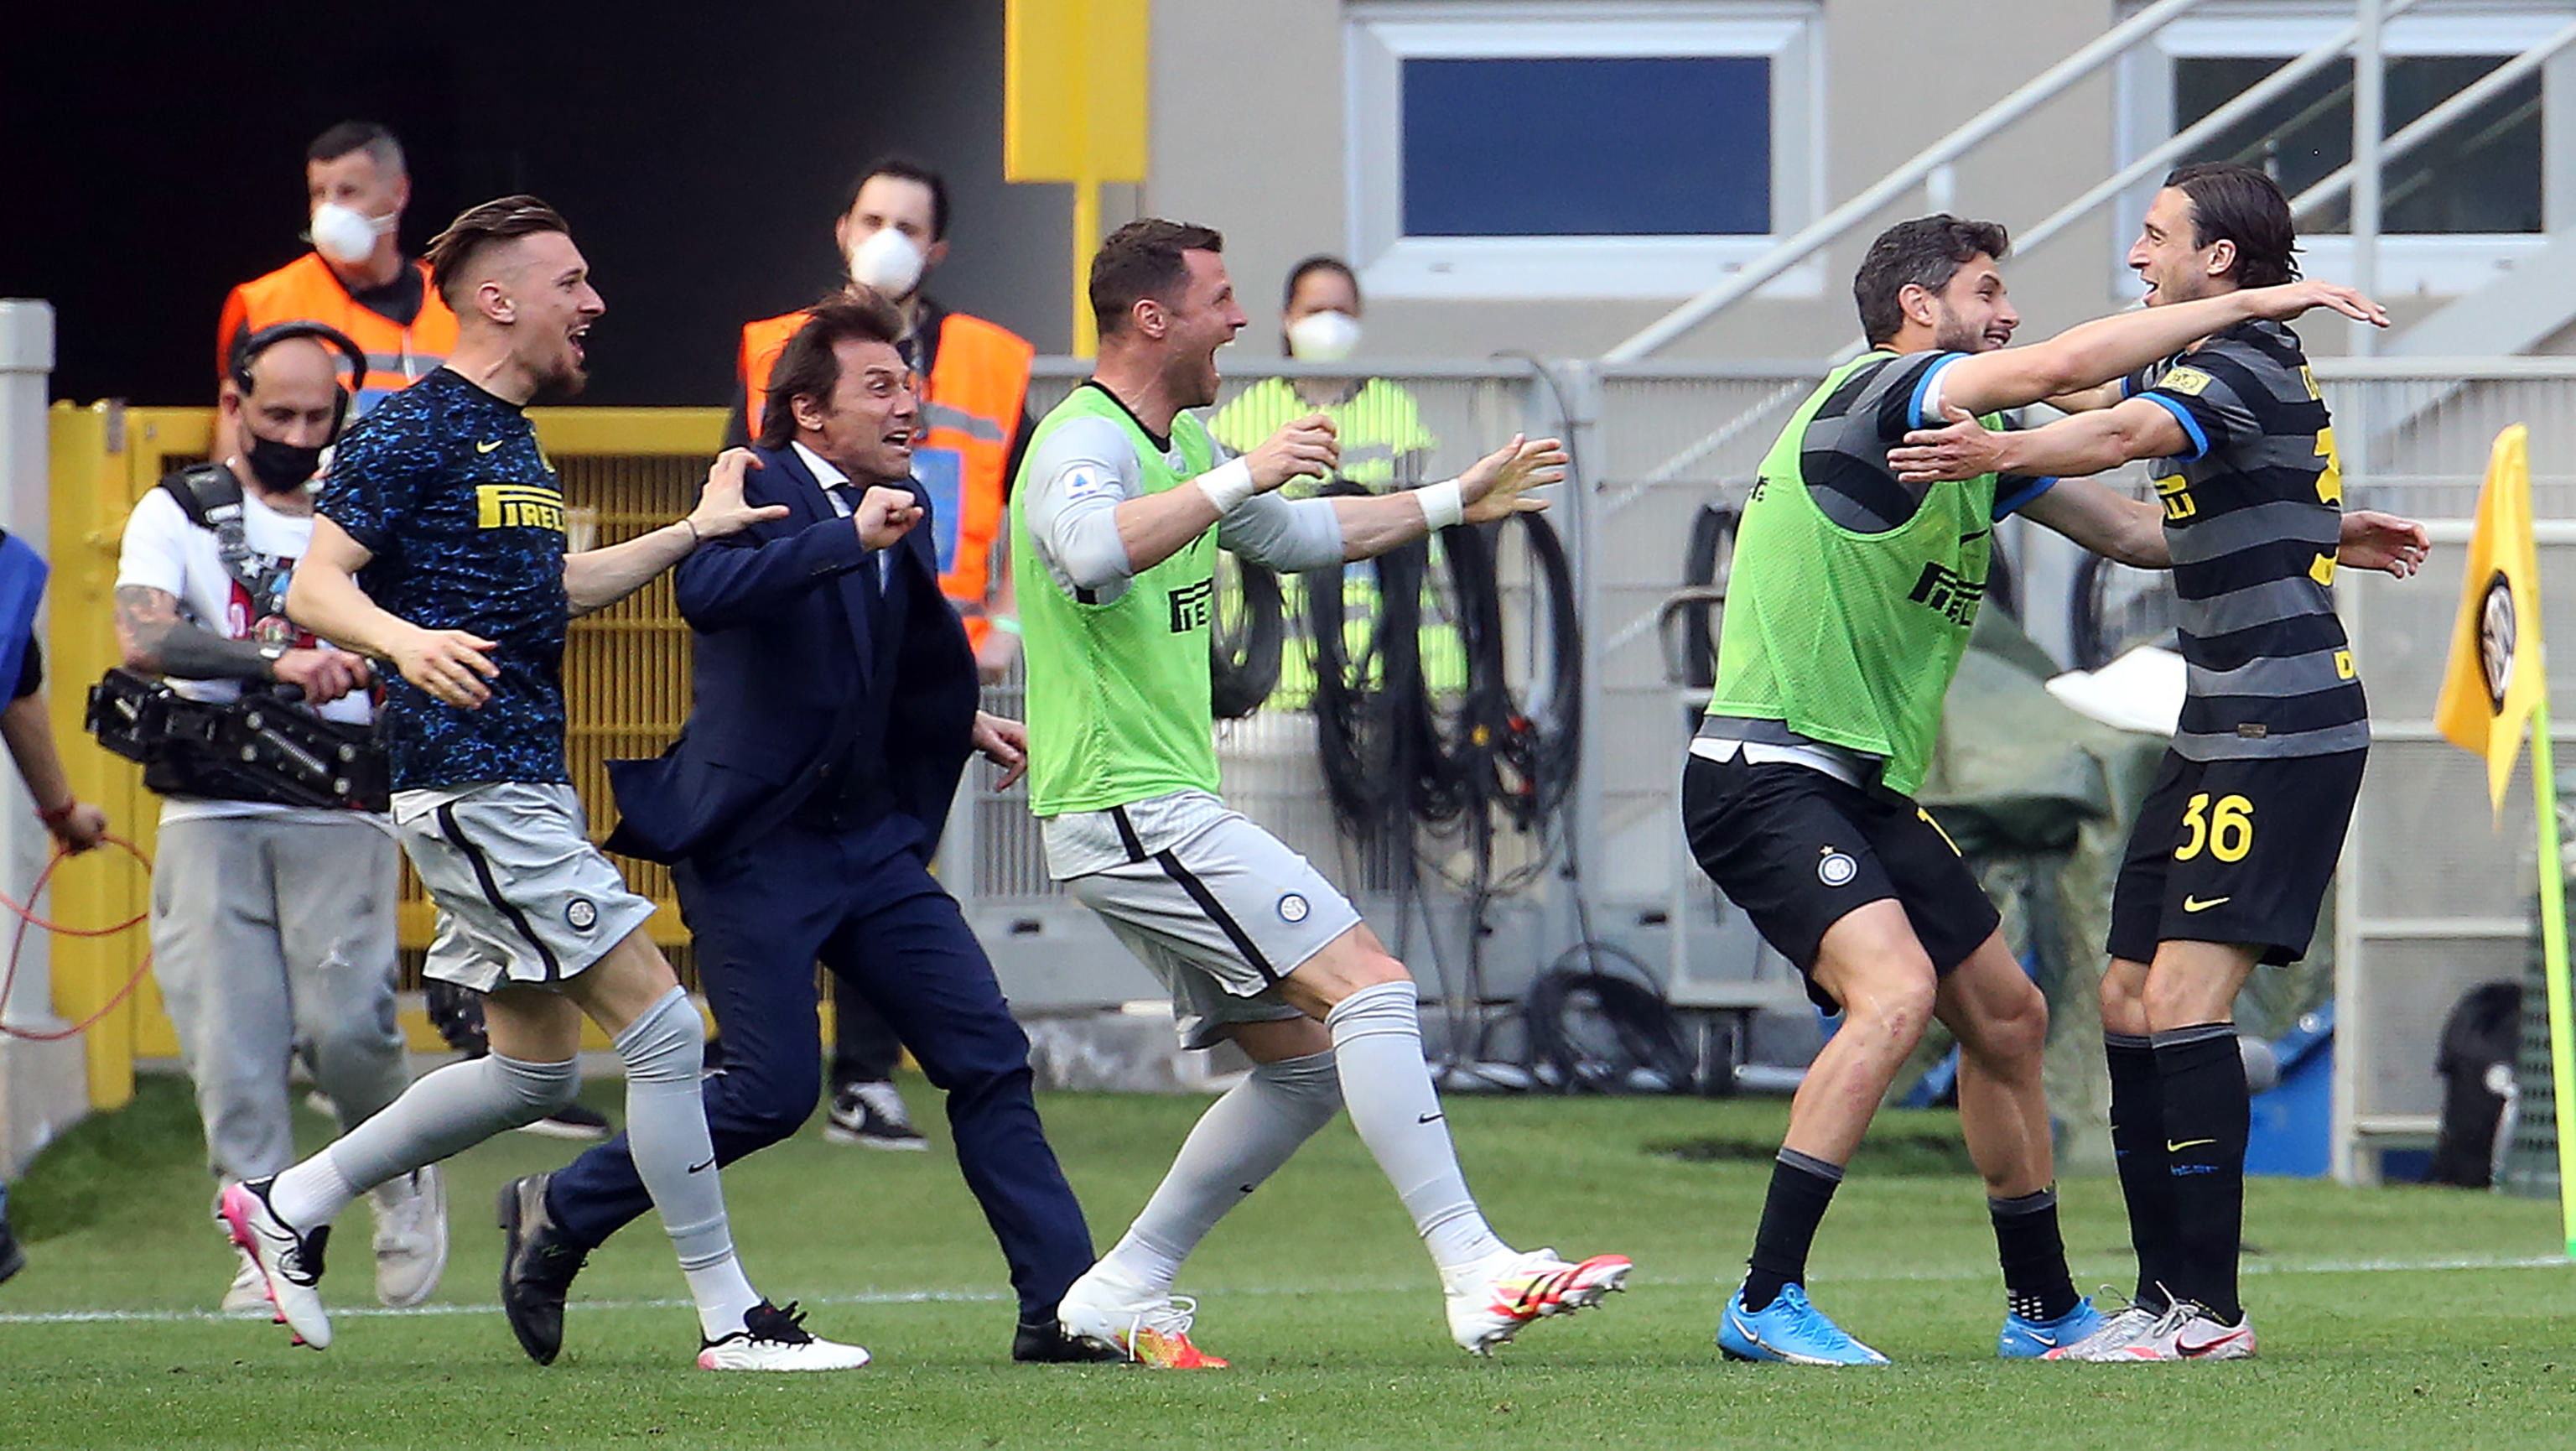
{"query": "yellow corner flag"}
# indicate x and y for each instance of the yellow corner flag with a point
(2495, 677)
(2495, 683)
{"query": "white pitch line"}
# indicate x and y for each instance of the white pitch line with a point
(980, 1297)
(120, 1317)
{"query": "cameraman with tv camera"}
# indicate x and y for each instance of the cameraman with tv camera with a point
(273, 901)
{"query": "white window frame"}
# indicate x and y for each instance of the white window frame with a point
(2447, 264)
(1380, 35)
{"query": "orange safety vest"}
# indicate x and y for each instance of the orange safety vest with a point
(307, 290)
(979, 381)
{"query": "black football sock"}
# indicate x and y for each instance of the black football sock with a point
(2138, 1143)
(1802, 1186)
(2036, 1284)
(2207, 1115)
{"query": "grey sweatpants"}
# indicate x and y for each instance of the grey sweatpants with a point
(270, 933)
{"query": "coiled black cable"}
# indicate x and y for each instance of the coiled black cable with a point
(1595, 1017)
(1710, 548)
(1366, 719)
(1538, 740)
(1461, 701)
(1249, 632)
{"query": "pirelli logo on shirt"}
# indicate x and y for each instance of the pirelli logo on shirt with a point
(1948, 593)
(518, 506)
(1190, 606)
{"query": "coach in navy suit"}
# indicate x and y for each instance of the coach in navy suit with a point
(836, 705)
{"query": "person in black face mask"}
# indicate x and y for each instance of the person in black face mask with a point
(272, 925)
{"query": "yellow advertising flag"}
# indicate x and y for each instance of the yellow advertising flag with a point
(2495, 676)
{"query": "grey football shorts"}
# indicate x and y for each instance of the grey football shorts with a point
(1216, 906)
(522, 895)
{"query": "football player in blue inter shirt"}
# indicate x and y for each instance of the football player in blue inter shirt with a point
(440, 548)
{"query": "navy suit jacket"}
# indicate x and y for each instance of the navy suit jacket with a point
(793, 641)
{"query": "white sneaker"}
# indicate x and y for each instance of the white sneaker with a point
(289, 1261)
(2188, 1331)
(2120, 1330)
(411, 1236)
(776, 1339)
(1148, 1329)
(1490, 1304)
(247, 1299)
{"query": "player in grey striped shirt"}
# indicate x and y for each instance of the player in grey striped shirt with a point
(2242, 826)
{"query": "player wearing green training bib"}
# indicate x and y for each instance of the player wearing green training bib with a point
(1120, 509)
(1848, 608)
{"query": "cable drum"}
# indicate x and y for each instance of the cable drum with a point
(1245, 640)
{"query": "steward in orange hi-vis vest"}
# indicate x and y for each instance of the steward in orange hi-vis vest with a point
(399, 354)
(972, 399)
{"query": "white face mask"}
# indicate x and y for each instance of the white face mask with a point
(887, 261)
(1323, 337)
(345, 234)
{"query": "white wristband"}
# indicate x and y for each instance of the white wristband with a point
(1228, 485)
(1441, 504)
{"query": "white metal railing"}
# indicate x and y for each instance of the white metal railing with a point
(2360, 178)
(2371, 151)
(2423, 128)
(2112, 44)
(2183, 142)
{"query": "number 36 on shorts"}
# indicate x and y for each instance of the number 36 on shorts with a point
(2224, 828)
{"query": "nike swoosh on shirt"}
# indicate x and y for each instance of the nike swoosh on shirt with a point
(487, 447)
(2194, 904)
(2173, 1148)
(702, 1168)
(1430, 1118)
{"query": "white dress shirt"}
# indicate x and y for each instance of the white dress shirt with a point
(839, 491)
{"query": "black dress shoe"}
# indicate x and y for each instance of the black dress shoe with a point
(1044, 1342)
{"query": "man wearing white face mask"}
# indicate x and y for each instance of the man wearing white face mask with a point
(356, 279)
(973, 377)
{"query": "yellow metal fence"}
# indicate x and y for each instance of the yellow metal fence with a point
(626, 674)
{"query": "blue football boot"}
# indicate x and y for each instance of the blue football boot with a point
(2025, 1339)
(1791, 1330)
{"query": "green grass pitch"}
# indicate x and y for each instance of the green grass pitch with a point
(2401, 1318)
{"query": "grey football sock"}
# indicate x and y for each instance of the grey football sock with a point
(664, 1050)
(1240, 1141)
(1377, 1043)
(444, 1112)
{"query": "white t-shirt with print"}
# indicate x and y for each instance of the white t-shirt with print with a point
(164, 551)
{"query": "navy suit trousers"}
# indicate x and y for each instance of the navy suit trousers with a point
(865, 905)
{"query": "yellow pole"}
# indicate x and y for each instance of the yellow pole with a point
(1086, 240)
(2553, 963)
(89, 495)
